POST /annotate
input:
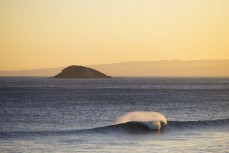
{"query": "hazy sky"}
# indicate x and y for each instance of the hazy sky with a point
(52, 33)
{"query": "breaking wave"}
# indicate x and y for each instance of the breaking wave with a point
(135, 122)
(152, 120)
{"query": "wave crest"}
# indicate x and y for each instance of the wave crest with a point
(152, 120)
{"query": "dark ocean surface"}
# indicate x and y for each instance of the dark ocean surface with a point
(78, 115)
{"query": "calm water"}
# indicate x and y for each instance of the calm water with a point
(67, 115)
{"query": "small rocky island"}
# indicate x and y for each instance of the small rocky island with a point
(80, 72)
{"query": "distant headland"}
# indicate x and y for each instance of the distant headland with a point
(163, 68)
(75, 71)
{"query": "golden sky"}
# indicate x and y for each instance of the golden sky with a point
(52, 33)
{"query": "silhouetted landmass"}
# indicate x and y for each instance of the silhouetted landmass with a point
(80, 72)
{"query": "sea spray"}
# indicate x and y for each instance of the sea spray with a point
(153, 120)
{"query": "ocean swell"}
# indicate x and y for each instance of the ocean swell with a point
(133, 127)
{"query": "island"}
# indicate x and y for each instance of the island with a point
(75, 71)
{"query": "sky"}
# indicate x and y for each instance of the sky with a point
(55, 33)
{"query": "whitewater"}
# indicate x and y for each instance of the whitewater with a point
(114, 115)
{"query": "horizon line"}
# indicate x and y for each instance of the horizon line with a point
(181, 60)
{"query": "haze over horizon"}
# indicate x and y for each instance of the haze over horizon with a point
(54, 33)
(114, 63)
(208, 68)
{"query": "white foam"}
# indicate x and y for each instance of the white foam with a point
(152, 120)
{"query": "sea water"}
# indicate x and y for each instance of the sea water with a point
(39, 114)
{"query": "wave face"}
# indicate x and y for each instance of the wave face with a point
(132, 127)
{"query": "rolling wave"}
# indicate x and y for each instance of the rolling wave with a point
(132, 127)
(139, 127)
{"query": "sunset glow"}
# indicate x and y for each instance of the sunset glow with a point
(44, 34)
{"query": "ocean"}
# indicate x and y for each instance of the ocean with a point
(39, 114)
